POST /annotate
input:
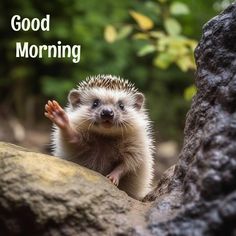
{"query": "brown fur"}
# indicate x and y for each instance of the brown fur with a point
(126, 146)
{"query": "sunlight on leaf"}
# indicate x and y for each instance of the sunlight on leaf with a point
(163, 60)
(147, 49)
(172, 26)
(141, 36)
(124, 32)
(157, 34)
(144, 22)
(163, 43)
(110, 34)
(179, 8)
(185, 63)
(192, 44)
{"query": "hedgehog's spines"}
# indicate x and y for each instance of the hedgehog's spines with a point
(108, 82)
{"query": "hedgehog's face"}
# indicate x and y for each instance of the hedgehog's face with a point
(104, 111)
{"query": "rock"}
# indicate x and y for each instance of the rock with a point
(204, 179)
(43, 195)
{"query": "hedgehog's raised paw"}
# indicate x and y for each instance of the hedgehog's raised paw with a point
(56, 114)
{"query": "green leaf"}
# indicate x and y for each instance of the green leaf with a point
(144, 22)
(124, 31)
(189, 92)
(163, 60)
(172, 26)
(110, 34)
(192, 44)
(163, 43)
(157, 34)
(147, 49)
(179, 8)
(184, 63)
(141, 36)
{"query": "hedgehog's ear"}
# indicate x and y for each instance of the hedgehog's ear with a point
(74, 97)
(139, 100)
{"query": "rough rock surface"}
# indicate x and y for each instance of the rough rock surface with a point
(204, 179)
(42, 195)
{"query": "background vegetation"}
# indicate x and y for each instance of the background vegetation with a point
(148, 42)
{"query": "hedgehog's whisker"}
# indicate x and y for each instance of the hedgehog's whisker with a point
(85, 118)
(126, 125)
(122, 132)
(90, 125)
(123, 125)
(129, 125)
(84, 121)
(119, 125)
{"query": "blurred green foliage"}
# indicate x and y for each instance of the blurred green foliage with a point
(26, 84)
(162, 36)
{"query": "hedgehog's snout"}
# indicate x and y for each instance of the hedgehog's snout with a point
(107, 114)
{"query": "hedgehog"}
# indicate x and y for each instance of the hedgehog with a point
(105, 127)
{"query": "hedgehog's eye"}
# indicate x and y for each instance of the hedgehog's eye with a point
(121, 106)
(96, 103)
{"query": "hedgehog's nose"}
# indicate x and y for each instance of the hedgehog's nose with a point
(107, 114)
